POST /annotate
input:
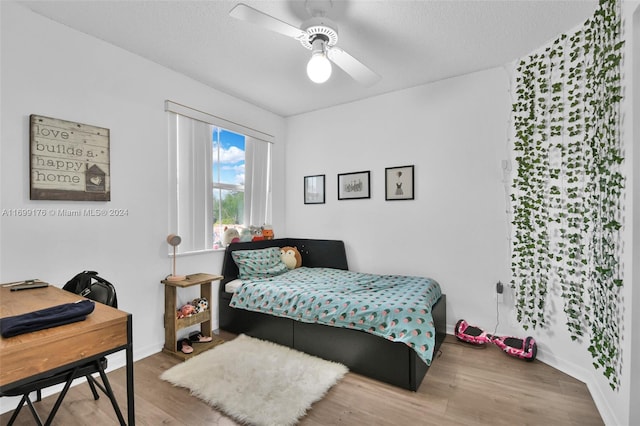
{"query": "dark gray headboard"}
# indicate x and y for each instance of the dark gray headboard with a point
(315, 254)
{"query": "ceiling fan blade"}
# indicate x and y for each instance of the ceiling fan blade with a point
(356, 69)
(247, 13)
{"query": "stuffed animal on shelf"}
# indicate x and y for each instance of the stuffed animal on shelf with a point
(230, 235)
(291, 257)
(200, 304)
(186, 310)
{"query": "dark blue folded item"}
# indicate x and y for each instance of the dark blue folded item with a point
(46, 318)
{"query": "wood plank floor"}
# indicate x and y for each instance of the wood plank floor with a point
(465, 386)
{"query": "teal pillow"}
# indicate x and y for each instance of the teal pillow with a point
(263, 263)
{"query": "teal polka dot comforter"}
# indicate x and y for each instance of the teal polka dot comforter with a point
(395, 307)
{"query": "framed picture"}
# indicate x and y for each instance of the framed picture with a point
(314, 189)
(399, 183)
(69, 160)
(355, 185)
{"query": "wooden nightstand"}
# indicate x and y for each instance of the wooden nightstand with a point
(172, 323)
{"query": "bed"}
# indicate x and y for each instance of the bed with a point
(364, 353)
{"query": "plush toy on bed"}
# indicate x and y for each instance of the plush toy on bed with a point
(291, 257)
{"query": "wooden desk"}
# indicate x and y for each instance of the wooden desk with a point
(41, 353)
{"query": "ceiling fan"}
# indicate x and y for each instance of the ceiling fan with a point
(318, 34)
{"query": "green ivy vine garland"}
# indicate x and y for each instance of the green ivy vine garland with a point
(568, 188)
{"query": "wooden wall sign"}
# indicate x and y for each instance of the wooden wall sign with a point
(69, 161)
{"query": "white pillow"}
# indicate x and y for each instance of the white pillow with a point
(232, 286)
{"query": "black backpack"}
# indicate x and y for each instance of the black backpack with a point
(88, 284)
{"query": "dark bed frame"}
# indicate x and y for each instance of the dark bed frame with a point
(361, 352)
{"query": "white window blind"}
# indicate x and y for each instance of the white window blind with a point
(197, 195)
(257, 190)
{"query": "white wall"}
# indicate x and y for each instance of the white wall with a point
(455, 230)
(49, 69)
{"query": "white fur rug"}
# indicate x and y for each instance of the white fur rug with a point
(257, 382)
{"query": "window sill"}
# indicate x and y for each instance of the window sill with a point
(195, 252)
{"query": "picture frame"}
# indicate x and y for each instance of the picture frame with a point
(354, 185)
(399, 183)
(314, 189)
(68, 160)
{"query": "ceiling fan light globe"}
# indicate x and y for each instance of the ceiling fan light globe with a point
(319, 68)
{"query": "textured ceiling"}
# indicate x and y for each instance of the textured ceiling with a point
(408, 43)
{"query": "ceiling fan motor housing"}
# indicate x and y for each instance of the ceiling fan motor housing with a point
(319, 28)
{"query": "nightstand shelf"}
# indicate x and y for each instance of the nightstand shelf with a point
(172, 324)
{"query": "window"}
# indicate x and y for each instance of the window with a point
(228, 155)
(219, 177)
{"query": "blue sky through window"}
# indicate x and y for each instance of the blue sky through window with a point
(231, 156)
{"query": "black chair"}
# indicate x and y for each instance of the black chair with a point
(102, 293)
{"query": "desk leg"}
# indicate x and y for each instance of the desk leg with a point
(131, 411)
